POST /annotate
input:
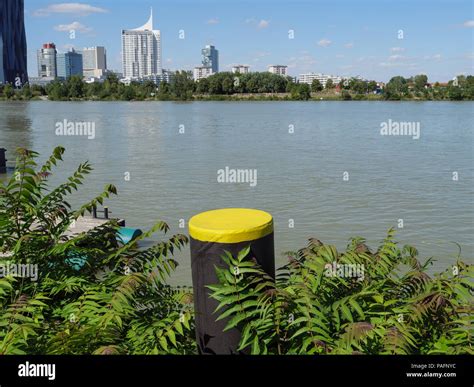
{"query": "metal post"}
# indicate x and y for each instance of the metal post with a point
(106, 212)
(212, 233)
(3, 161)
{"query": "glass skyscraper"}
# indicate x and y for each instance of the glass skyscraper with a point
(69, 64)
(13, 64)
(210, 58)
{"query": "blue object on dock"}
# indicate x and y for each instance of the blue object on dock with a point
(127, 234)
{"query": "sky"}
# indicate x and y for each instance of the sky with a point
(374, 39)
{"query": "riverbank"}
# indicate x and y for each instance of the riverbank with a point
(315, 97)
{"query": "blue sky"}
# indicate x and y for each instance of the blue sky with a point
(346, 38)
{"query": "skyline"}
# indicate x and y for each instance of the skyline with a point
(341, 38)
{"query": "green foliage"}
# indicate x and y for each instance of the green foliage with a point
(316, 85)
(116, 302)
(393, 307)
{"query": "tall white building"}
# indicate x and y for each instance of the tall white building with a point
(141, 51)
(201, 72)
(241, 69)
(94, 62)
(322, 78)
(278, 69)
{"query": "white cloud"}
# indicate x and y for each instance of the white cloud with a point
(398, 64)
(469, 24)
(263, 24)
(79, 9)
(303, 62)
(349, 45)
(213, 20)
(397, 49)
(396, 57)
(260, 24)
(76, 26)
(260, 54)
(436, 57)
(324, 42)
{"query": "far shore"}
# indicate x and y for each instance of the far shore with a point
(282, 97)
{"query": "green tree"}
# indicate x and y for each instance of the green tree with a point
(75, 87)
(330, 84)
(128, 93)
(396, 88)
(8, 91)
(372, 86)
(420, 82)
(316, 86)
(26, 92)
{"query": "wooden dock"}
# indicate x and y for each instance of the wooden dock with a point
(87, 223)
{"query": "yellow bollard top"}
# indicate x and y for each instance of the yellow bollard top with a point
(230, 225)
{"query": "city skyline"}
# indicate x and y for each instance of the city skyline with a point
(388, 40)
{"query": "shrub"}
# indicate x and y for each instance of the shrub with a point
(92, 293)
(313, 308)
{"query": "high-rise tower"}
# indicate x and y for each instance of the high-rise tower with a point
(141, 51)
(13, 64)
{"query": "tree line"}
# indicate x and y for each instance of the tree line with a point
(258, 85)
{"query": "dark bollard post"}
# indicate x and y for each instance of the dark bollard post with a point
(106, 212)
(3, 161)
(94, 212)
(212, 233)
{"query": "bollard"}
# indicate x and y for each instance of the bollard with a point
(3, 161)
(211, 233)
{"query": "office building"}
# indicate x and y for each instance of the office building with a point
(47, 61)
(69, 64)
(94, 62)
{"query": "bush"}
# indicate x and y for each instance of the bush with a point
(92, 295)
(389, 305)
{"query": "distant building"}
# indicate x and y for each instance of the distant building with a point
(210, 58)
(13, 58)
(165, 76)
(278, 69)
(47, 65)
(322, 78)
(40, 81)
(69, 64)
(241, 69)
(94, 62)
(141, 51)
(201, 72)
